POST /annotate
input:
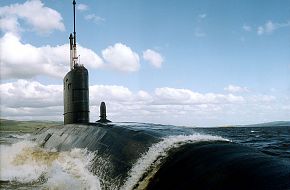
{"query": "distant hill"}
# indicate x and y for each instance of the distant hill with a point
(24, 126)
(268, 124)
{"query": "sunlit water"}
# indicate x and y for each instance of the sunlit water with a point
(24, 165)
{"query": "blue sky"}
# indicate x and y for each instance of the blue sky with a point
(203, 63)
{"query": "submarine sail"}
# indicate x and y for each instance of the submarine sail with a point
(76, 88)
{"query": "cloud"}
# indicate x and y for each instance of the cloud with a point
(198, 30)
(202, 16)
(236, 89)
(28, 99)
(110, 93)
(9, 24)
(19, 60)
(41, 19)
(153, 57)
(94, 18)
(186, 96)
(82, 7)
(269, 27)
(260, 30)
(263, 98)
(24, 61)
(31, 99)
(121, 57)
(24, 93)
(247, 28)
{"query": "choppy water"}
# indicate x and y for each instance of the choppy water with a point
(24, 165)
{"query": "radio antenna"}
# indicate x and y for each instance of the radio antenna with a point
(74, 5)
(73, 42)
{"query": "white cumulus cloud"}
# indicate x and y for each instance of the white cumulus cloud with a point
(19, 60)
(82, 7)
(202, 16)
(235, 89)
(247, 28)
(153, 57)
(186, 96)
(33, 12)
(94, 18)
(260, 30)
(28, 99)
(110, 93)
(30, 94)
(121, 57)
(269, 27)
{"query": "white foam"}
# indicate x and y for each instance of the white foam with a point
(23, 136)
(159, 150)
(25, 162)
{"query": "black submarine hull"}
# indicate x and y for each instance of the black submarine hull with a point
(220, 166)
(187, 165)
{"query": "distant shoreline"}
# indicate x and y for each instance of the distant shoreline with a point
(24, 126)
(7, 125)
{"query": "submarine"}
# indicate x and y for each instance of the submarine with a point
(136, 156)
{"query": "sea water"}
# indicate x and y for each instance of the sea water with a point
(25, 165)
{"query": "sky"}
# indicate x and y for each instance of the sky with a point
(189, 63)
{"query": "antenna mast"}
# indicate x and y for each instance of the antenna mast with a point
(74, 5)
(73, 42)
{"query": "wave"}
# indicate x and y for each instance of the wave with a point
(26, 163)
(146, 165)
(17, 136)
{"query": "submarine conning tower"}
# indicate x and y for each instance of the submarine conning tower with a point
(76, 87)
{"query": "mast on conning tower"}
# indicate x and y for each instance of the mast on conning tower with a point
(76, 85)
(73, 42)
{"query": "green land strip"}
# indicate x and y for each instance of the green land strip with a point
(24, 126)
